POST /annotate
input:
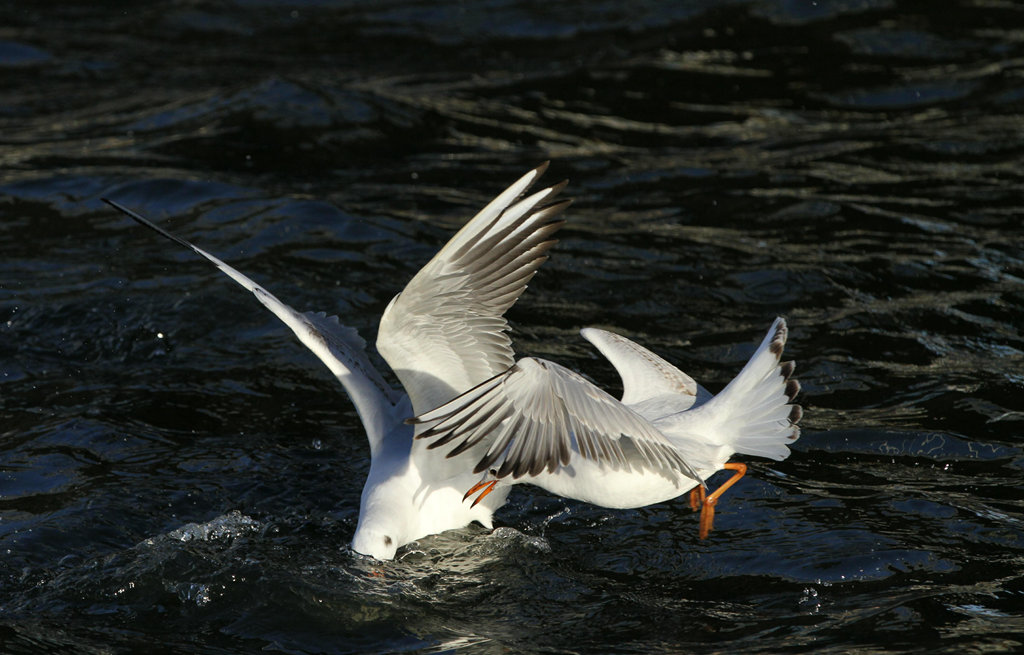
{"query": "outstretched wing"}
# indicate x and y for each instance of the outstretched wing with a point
(537, 416)
(650, 385)
(445, 332)
(339, 347)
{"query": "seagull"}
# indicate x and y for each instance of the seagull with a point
(473, 421)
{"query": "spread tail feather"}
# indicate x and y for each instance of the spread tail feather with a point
(764, 389)
(755, 412)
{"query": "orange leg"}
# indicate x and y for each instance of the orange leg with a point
(707, 514)
(697, 495)
(487, 486)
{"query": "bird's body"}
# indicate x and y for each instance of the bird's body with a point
(473, 420)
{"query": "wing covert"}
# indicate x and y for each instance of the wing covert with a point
(537, 415)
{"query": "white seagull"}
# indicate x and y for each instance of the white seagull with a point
(474, 421)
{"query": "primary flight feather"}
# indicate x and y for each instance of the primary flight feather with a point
(473, 421)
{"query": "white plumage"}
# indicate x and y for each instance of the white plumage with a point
(474, 421)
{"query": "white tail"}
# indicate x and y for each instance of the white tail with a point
(756, 410)
(753, 415)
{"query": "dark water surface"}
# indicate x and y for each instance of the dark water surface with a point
(179, 475)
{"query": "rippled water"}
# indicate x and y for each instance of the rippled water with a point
(177, 474)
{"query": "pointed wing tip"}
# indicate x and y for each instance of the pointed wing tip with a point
(138, 218)
(533, 175)
(558, 186)
(121, 208)
(539, 171)
(118, 206)
(557, 207)
(142, 220)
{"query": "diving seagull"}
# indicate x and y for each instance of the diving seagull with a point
(473, 420)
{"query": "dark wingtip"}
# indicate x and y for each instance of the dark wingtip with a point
(119, 207)
(142, 220)
(558, 186)
(432, 446)
(556, 189)
(795, 414)
(557, 207)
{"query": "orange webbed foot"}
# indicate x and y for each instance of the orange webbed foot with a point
(486, 485)
(697, 496)
(708, 502)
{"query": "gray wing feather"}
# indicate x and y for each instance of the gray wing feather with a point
(446, 332)
(537, 416)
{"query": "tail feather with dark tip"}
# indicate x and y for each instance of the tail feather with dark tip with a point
(764, 418)
(755, 413)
